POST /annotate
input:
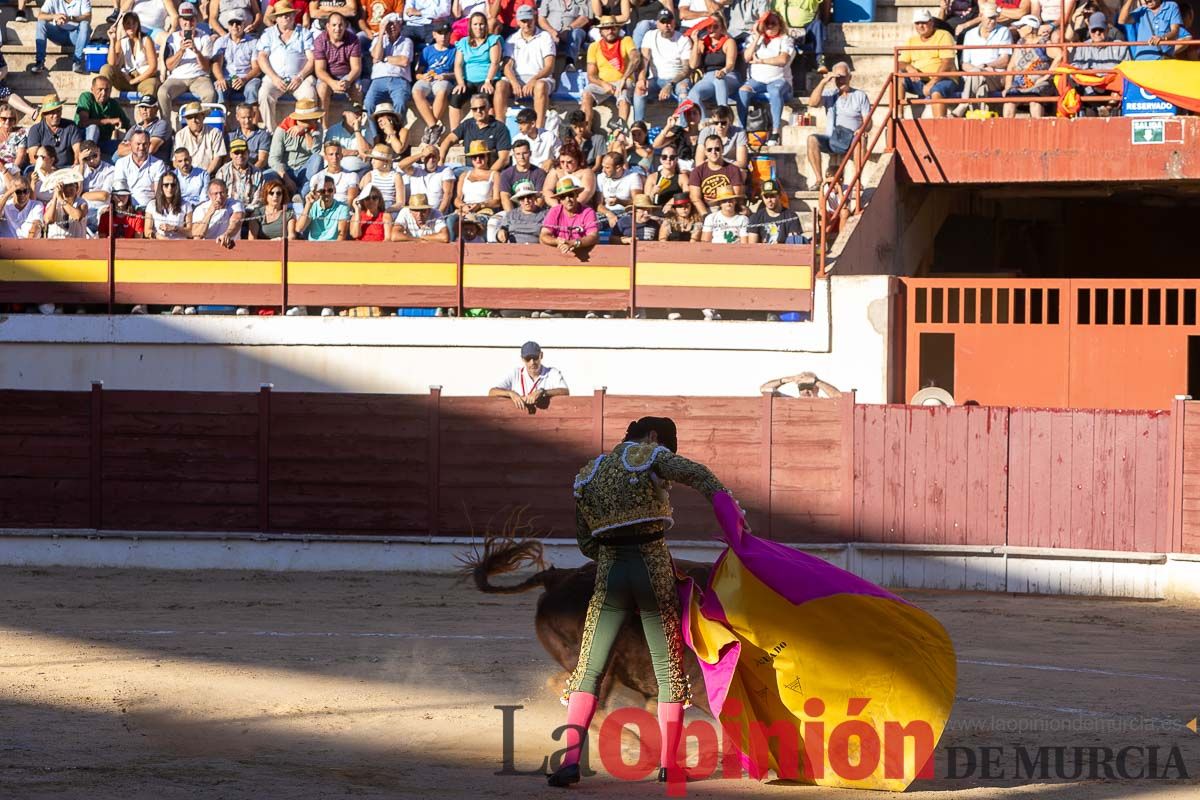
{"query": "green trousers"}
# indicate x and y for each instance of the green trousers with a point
(632, 577)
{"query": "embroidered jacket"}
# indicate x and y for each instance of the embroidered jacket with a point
(624, 494)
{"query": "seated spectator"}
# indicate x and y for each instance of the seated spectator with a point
(472, 229)
(478, 187)
(567, 21)
(663, 66)
(388, 128)
(772, 223)
(522, 223)
(320, 14)
(345, 184)
(528, 67)
(132, 61)
(425, 174)
(615, 187)
(993, 38)
(419, 222)
(612, 66)
(294, 142)
(205, 143)
(188, 54)
(532, 385)
(98, 177)
(592, 146)
(100, 116)
(384, 179)
(522, 171)
(847, 110)
(668, 182)
(435, 78)
(219, 218)
(44, 165)
(168, 216)
(285, 55)
(543, 143)
(140, 170)
(235, 60)
(804, 21)
(419, 17)
(570, 226)
(55, 133)
(1154, 21)
(769, 55)
(20, 214)
(157, 16)
(355, 132)
(714, 55)
(919, 65)
(706, 181)
(643, 17)
(959, 16)
(258, 141)
(223, 15)
(123, 221)
(274, 219)
(391, 68)
(193, 181)
(648, 228)
(1023, 87)
(681, 132)
(570, 166)
(726, 225)
(66, 213)
(324, 219)
(243, 179)
(14, 154)
(743, 15)
(482, 127)
(66, 23)
(145, 120)
(1100, 53)
(371, 222)
(733, 137)
(476, 68)
(371, 20)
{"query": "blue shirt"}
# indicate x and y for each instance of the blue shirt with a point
(477, 60)
(434, 60)
(239, 57)
(323, 222)
(193, 188)
(259, 140)
(1144, 24)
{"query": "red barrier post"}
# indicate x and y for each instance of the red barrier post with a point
(434, 453)
(264, 456)
(95, 456)
(765, 424)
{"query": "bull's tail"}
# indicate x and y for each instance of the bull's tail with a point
(511, 549)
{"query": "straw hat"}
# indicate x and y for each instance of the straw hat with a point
(382, 151)
(192, 110)
(523, 189)
(419, 202)
(567, 186)
(280, 7)
(643, 201)
(384, 108)
(478, 148)
(727, 193)
(51, 103)
(307, 108)
(608, 21)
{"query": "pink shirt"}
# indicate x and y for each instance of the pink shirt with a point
(571, 226)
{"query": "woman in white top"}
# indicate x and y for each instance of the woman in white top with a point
(157, 16)
(167, 216)
(616, 187)
(769, 56)
(478, 187)
(66, 213)
(389, 182)
(425, 174)
(43, 165)
(132, 58)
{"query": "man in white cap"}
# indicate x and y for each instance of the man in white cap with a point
(918, 65)
(529, 69)
(988, 34)
(189, 64)
(285, 55)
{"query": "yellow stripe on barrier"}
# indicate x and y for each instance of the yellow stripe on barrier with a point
(232, 271)
(52, 270)
(372, 273)
(724, 276)
(523, 276)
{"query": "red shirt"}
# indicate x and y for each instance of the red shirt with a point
(370, 228)
(129, 226)
(508, 11)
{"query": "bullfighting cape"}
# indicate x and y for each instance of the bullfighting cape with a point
(851, 685)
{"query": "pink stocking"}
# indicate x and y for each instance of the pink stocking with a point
(670, 729)
(581, 706)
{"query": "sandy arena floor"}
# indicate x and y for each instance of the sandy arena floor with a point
(123, 684)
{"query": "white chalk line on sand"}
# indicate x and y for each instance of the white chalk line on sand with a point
(1083, 670)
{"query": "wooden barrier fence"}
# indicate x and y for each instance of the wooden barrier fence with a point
(281, 273)
(806, 470)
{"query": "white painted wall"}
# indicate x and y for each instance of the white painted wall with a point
(464, 356)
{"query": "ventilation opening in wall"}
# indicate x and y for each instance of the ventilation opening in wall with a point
(1193, 373)
(936, 366)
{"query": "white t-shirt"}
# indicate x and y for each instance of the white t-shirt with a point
(162, 218)
(433, 223)
(699, 6)
(220, 220)
(402, 47)
(618, 191)
(529, 55)
(668, 57)
(66, 228)
(726, 230)
(519, 380)
(342, 182)
(151, 13)
(189, 67)
(765, 73)
(431, 184)
(542, 148)
(19, 221)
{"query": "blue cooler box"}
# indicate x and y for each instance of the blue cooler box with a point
(95, 56)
